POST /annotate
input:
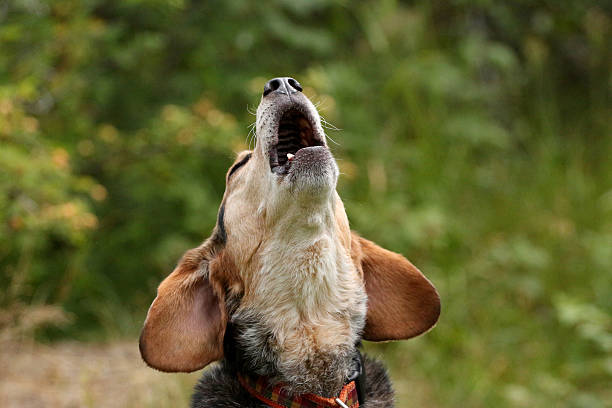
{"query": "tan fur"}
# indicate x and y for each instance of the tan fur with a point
(295, 264)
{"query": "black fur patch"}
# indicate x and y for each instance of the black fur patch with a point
(219, 388)
(238, 348)
(221, 225)
(220, 221)
(239, 165)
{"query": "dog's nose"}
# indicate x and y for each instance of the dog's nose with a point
(282, 85)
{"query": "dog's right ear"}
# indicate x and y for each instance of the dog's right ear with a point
(185, 324)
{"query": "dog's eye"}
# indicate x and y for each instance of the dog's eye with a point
(238, 165)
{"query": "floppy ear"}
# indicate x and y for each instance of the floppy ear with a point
(185, 324)
(402, 302)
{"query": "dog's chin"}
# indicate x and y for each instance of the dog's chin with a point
(313, 171)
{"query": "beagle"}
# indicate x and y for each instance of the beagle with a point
(282, 292)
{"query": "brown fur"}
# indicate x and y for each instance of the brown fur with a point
(283, 280)
(402, 303)
(185, 324)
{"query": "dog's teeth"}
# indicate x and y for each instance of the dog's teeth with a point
(290, 156)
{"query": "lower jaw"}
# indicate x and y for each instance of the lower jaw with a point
(316, 185)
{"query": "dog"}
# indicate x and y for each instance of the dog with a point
(282, 293)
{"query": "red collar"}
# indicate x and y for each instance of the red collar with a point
(275, 396)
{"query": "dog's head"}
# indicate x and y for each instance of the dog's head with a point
(282, 244)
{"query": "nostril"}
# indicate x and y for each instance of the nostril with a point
(294, 84)
(271, 86)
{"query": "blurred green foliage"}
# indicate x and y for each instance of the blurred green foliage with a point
(476, 139)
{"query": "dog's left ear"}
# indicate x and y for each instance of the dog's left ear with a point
(402, 302)
(186, 322)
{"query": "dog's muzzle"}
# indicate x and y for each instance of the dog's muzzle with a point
(292, 132)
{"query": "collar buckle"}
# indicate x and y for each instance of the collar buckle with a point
(342, 404)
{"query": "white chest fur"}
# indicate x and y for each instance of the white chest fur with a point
(310, 298)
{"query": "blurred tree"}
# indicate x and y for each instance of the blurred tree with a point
(476, 140)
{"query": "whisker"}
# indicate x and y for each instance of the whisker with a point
(333, 141)
(326, 124)
(250, 138)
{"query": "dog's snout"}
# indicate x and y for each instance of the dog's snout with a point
(282, 85)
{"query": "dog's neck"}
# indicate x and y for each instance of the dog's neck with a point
(303, 315)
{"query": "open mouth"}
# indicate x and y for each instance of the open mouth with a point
(295, 132)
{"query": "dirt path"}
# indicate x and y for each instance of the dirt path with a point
(86, 375)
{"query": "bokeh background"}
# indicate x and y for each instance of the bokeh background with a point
(473, 136)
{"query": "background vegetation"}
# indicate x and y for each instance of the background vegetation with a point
(476, 139)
